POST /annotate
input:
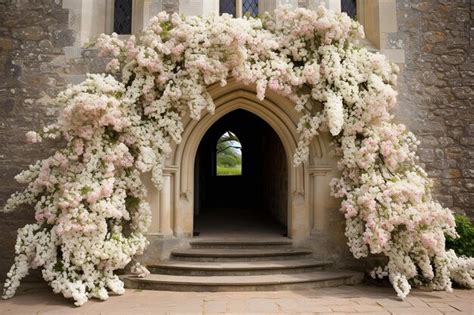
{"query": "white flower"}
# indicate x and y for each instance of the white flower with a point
(33, 137)
(140, 270)
(335, 113)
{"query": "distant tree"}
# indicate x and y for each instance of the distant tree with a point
(228, 151)
(227, 161)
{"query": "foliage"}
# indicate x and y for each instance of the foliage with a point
(228, 155)
(464, 245)
(90, 209)
(227, 160)
(222, 170)
(228, 149)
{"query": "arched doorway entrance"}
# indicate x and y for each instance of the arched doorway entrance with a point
(309, 201)
(241, 179)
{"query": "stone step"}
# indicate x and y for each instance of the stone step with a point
(225, 254)
(271, 282)
(239, 243)
(192, 268)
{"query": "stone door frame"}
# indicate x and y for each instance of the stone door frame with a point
(280, 114)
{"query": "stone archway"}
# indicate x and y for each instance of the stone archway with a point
(312, 212)
(303, 182)
(254, 201)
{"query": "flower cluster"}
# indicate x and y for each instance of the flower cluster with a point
(91, 215)
(88, 197)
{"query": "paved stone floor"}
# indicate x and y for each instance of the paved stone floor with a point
(361, 299)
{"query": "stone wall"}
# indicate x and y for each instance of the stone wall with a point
(32, 35)
(37, 61)
(436, 93)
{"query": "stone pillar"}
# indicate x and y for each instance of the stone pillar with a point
(334, 5)
(271, 5)
(143, 11)
(88, 18)
(379, 19)
(319, 218)
(238, 8)
(165, 206)
(298, 220)
(299, 226)
(184, 219)
(319, 199)
(199, 7)
(153, 199)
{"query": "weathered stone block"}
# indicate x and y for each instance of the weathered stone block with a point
(6, 43)
(468, 173)
(426, 155)
(7, 106)
(445, 200)
(464, 199)
(29, 33)
(434, 37)
(45, 44)
(452, 173)
(453, 60)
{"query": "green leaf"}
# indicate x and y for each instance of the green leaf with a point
(85, 190)
(132, 202)
(464, 245)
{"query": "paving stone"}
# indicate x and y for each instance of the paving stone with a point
(328, 301)
(261, 306)
(39, 28)
(393, 302)
(301, 305)
(443, 307)
(215, 306)
(41, 300)
(464, 306)
(368, 308)
(415, 301)
(413, 311)
(343, 309)
(364, 301)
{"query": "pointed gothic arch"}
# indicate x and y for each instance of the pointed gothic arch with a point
(309, 202)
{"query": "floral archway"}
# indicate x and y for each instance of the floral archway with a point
(90, 210)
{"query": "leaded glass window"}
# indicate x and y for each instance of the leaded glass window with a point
(237, 8)
(227, 6)
(250, 7)
(123, 16)
(350, 7)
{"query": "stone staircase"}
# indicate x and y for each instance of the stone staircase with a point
(241, 265)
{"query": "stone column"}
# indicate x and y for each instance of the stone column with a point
(88, 19)
(142, 12)
(334, 5)
(318, 207)
(271, 5)
(153, 198)
(199, 7)
(165, 206)
(320, 195)
(238, 8)
(379, 19)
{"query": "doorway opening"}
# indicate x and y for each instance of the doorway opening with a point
(241, 179)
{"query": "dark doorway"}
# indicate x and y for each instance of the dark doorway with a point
(252, 199)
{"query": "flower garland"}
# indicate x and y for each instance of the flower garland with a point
(91, 217)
